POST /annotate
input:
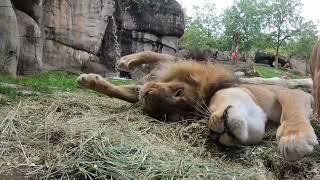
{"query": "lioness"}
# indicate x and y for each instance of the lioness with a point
(315, 75)
(178, 90)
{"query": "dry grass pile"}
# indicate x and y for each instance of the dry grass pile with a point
(84, 135)
(80, 135)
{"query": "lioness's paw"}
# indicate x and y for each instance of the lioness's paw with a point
(294, 144)
(86, 80)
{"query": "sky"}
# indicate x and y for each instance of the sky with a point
(311, 8)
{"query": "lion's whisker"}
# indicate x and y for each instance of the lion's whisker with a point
(204, 116)
(197, 109)
(204, 110)
(207, 108)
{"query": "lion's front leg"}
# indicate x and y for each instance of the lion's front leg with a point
(296, 137)
(130, 62)
(129, 93)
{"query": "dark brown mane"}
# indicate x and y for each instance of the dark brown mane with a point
(201, 81)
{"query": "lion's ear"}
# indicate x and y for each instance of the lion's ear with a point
(195, 78)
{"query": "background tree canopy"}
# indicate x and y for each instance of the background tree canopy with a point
(266, 25)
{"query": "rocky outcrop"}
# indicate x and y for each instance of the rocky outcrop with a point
(31, 7)
(74, 31)
(66, 35)
(9, 39)
(57, 56)
(299, 65)
(144, 25)
(30, 57)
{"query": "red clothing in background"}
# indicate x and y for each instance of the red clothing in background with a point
(234, 56)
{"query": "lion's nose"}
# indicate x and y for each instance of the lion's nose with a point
(214, 136)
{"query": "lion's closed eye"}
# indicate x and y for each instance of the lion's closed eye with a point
(179, 92)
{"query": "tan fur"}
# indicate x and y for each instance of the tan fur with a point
(315, 75)
(129, 62)
(182, 90)
(236, 117)
(96, 82)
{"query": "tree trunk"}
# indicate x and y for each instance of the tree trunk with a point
(276, 59)
(235, 42)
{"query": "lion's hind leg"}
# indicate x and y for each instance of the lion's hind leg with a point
(129, 93)
(296, 137)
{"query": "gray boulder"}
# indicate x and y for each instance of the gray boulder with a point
(223, 56)
(32, 7)
(30, 58)
(77, 24)
(61, 57)
(65, 35)
(9, 39)
(94, 67)
(74, 31)
(162, 17)
(144, 25)
(299, 65)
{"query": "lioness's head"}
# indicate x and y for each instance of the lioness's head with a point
(183, 89)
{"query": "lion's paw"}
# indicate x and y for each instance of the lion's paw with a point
(294, 144)
(87, 80)
(124, 63)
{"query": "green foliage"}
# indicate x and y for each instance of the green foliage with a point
(247, 18)
(263, 25)
(195, 38)
(302, 45)
(284, 20)
(263, 42)
(207, 17)
(204, 30)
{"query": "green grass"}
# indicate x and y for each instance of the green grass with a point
(45, 81)
(49, 81)
(270, 72)
(10, 94)
(122, 82)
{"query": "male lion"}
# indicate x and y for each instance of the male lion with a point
(177, 90)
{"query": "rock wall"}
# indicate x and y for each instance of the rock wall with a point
(66, 35)
(9, 39)
(31, 44)
(144, 25)
(74, 31)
